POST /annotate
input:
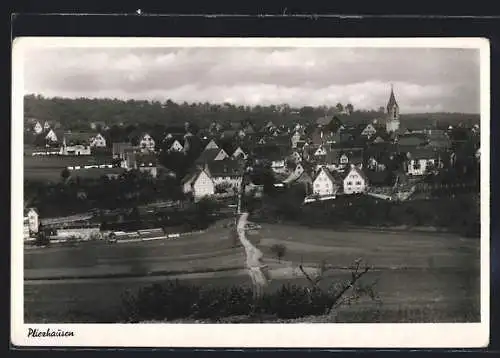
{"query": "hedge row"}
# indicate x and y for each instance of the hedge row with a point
(177, 300)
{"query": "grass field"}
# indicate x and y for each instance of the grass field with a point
(50, 167)
(420, 277)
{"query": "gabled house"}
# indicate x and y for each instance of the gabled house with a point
(355, 181)
(147, 163)
(212, 145)
(421, 160)
(98, 141)
(368, 131)
(325, 183)
(199, 183)
(176, 146)
(296, 137)
(320, 151)
(147, 143)
(296, 157)
(51, 136)
(74, 148)
(37, 128)
(239, 153)
(227, 173)
(31, 222)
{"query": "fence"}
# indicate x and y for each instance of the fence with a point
(101, 166)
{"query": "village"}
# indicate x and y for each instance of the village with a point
(385, 158)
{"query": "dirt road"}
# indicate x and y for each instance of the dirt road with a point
(253, 258)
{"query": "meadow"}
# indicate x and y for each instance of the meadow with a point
(48, 168)
(419, 277)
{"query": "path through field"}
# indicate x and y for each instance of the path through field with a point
(253, 258)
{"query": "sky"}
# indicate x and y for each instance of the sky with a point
(424, 80)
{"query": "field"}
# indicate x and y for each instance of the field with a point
(420, 277)
(50, 167)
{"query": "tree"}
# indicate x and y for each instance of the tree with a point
(279, 250)
(65, 174)
(349, 108)
(339, 107)
(41, 237)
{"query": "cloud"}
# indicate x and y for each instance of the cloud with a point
(424, 79)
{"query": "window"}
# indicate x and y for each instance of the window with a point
(349, 183)
(416, 166)
(358, 183)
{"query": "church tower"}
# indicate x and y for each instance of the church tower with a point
(392, 123)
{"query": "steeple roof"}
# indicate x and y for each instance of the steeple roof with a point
(392, 100)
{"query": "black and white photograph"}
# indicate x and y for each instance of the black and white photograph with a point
(211, 187)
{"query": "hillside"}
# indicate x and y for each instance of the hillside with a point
(80, 112)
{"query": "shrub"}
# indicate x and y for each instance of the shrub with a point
(279, 250)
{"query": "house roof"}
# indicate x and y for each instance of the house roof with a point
(329, 175)
(422, 153)
(360, 172)
(225, 168)
(208, 155)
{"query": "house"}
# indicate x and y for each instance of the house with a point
(99, 125)
(31, 222)
(147, 163)
(46, 126)
(421, 160)
(239, 153)
(74, 148)
(176, 146)
(198, 183)
(296, 137)
(38, 128)
(296, 157)
(212, 145)
(119, 149)
(325, 183)
(355, 181)
(226, 173)
(368, 131)
(98, 141)
(321, 150)
(51, 136)
(147, 143)
(300, 175)
(413, 139)
(209, 155)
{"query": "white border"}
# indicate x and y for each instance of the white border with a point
(456, 335)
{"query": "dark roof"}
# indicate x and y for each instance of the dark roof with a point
(146, 160)
(378, 177)
(226, 167)
(422, 153)
(208, 155)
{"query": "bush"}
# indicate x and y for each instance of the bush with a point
(279, 250)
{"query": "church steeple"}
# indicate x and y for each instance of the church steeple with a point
(392, 123)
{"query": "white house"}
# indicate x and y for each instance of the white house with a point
(31, 222)
(324, 183)
(199, 184)
(295, 139)
(420, 161)
(369, 131)
(227, 172)
(176, 146)
(38, 128)
(320, 151)
(278, 165)
(212, 145)
(51, 136)
(46, 126)
(239, 153)
(147, 143)
(98, 141)
(355, 181)
(296, 157)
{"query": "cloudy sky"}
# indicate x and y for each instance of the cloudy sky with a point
(425, 80)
